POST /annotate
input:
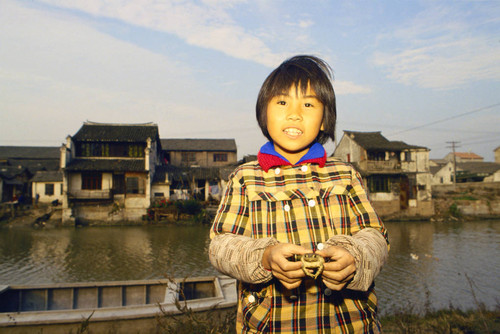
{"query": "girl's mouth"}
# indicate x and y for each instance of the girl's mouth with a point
(292, 132)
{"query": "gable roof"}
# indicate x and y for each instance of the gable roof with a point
(468, 155)
(91, 131)
(479, 167)
(375, 141)
(29, 152)
(226, 145)
(10, 172)
(48, 176)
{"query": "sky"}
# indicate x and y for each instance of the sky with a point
(423, 72)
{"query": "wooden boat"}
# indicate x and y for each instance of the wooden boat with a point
(111, 307)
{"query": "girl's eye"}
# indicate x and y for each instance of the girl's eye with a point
(308, 105)
(282, 103)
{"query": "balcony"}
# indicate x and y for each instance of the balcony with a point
(386, 167)
(91, 195)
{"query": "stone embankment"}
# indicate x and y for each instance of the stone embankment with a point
(477, 200)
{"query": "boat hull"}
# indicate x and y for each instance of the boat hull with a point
(113, 307)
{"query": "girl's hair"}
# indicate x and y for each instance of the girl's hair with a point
(300, 71)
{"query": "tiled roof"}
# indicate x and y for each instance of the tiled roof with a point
(468, 155)
(34, 165)
(226, 145)
(117, 132)
(375, 141)
(29, 152)
(107, 165)
(479, 167)
(9, 172)
(51, 176)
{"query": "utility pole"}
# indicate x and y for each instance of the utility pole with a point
(453, 146)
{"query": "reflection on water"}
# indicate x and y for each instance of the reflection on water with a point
(434, 264)
(441, 264)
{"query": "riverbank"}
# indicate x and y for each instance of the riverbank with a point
(463, 202)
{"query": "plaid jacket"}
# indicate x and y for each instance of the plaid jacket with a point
(304, 205)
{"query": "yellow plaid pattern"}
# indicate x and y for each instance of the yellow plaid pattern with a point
(305, 206)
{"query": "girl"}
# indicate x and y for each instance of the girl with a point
(294, 201)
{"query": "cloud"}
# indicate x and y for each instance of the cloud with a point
(442, 49)
(207, 25)
(347, 88)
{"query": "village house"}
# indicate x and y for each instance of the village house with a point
(18, 164)
(469, 166)
(108, 171)
(464, 157)
(442, 171)
(47, 187)
(196, 167)
(396, 174)
(497, 154)
(478, 172)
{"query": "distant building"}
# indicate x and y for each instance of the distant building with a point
(47, 186)
(397, 175)
(108, 171)
(442, 171)
(19, 163)
(196, 166)
(478, 172)
(464, 157)
(497, 155)
(199, 152)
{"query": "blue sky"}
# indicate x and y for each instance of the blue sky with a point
(424, 72)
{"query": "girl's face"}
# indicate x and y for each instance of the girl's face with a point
(294, 121)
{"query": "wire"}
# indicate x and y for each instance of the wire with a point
(448, 118)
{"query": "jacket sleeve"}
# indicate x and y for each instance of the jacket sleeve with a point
(232, 249)
(369, 243)
(240, 257)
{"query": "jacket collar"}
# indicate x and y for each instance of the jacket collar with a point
(269, 158)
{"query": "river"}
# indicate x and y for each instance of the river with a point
(431, 265)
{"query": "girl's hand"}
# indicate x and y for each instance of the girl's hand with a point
(340, 268)
(289, 273)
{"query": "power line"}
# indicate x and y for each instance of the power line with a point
(448, 118)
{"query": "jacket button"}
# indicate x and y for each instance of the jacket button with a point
(304, 168)
(320, 246)
(287, 207)
(251, 299)
(311, 203)
(277, 171)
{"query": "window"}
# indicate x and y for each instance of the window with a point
(94, 150)
(378, 184)
(135, 185)
(159, 195)
(220, 157)
(49, 189)
(91, 181)
(376, 155)
(407, 156)
(135, 150)
(188, 157)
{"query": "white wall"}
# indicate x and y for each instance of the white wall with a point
(39, 188)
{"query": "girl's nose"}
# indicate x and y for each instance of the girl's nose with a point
(294, 114)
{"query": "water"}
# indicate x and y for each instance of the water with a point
(458, 263)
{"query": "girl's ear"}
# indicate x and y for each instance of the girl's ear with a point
(322, 127)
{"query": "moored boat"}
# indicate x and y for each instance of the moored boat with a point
(118, 307)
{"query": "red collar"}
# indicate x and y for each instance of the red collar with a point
(267, 161)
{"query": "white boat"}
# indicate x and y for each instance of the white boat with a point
(116, 307)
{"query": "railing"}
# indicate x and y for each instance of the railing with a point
(380, 166)
(90, 194)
